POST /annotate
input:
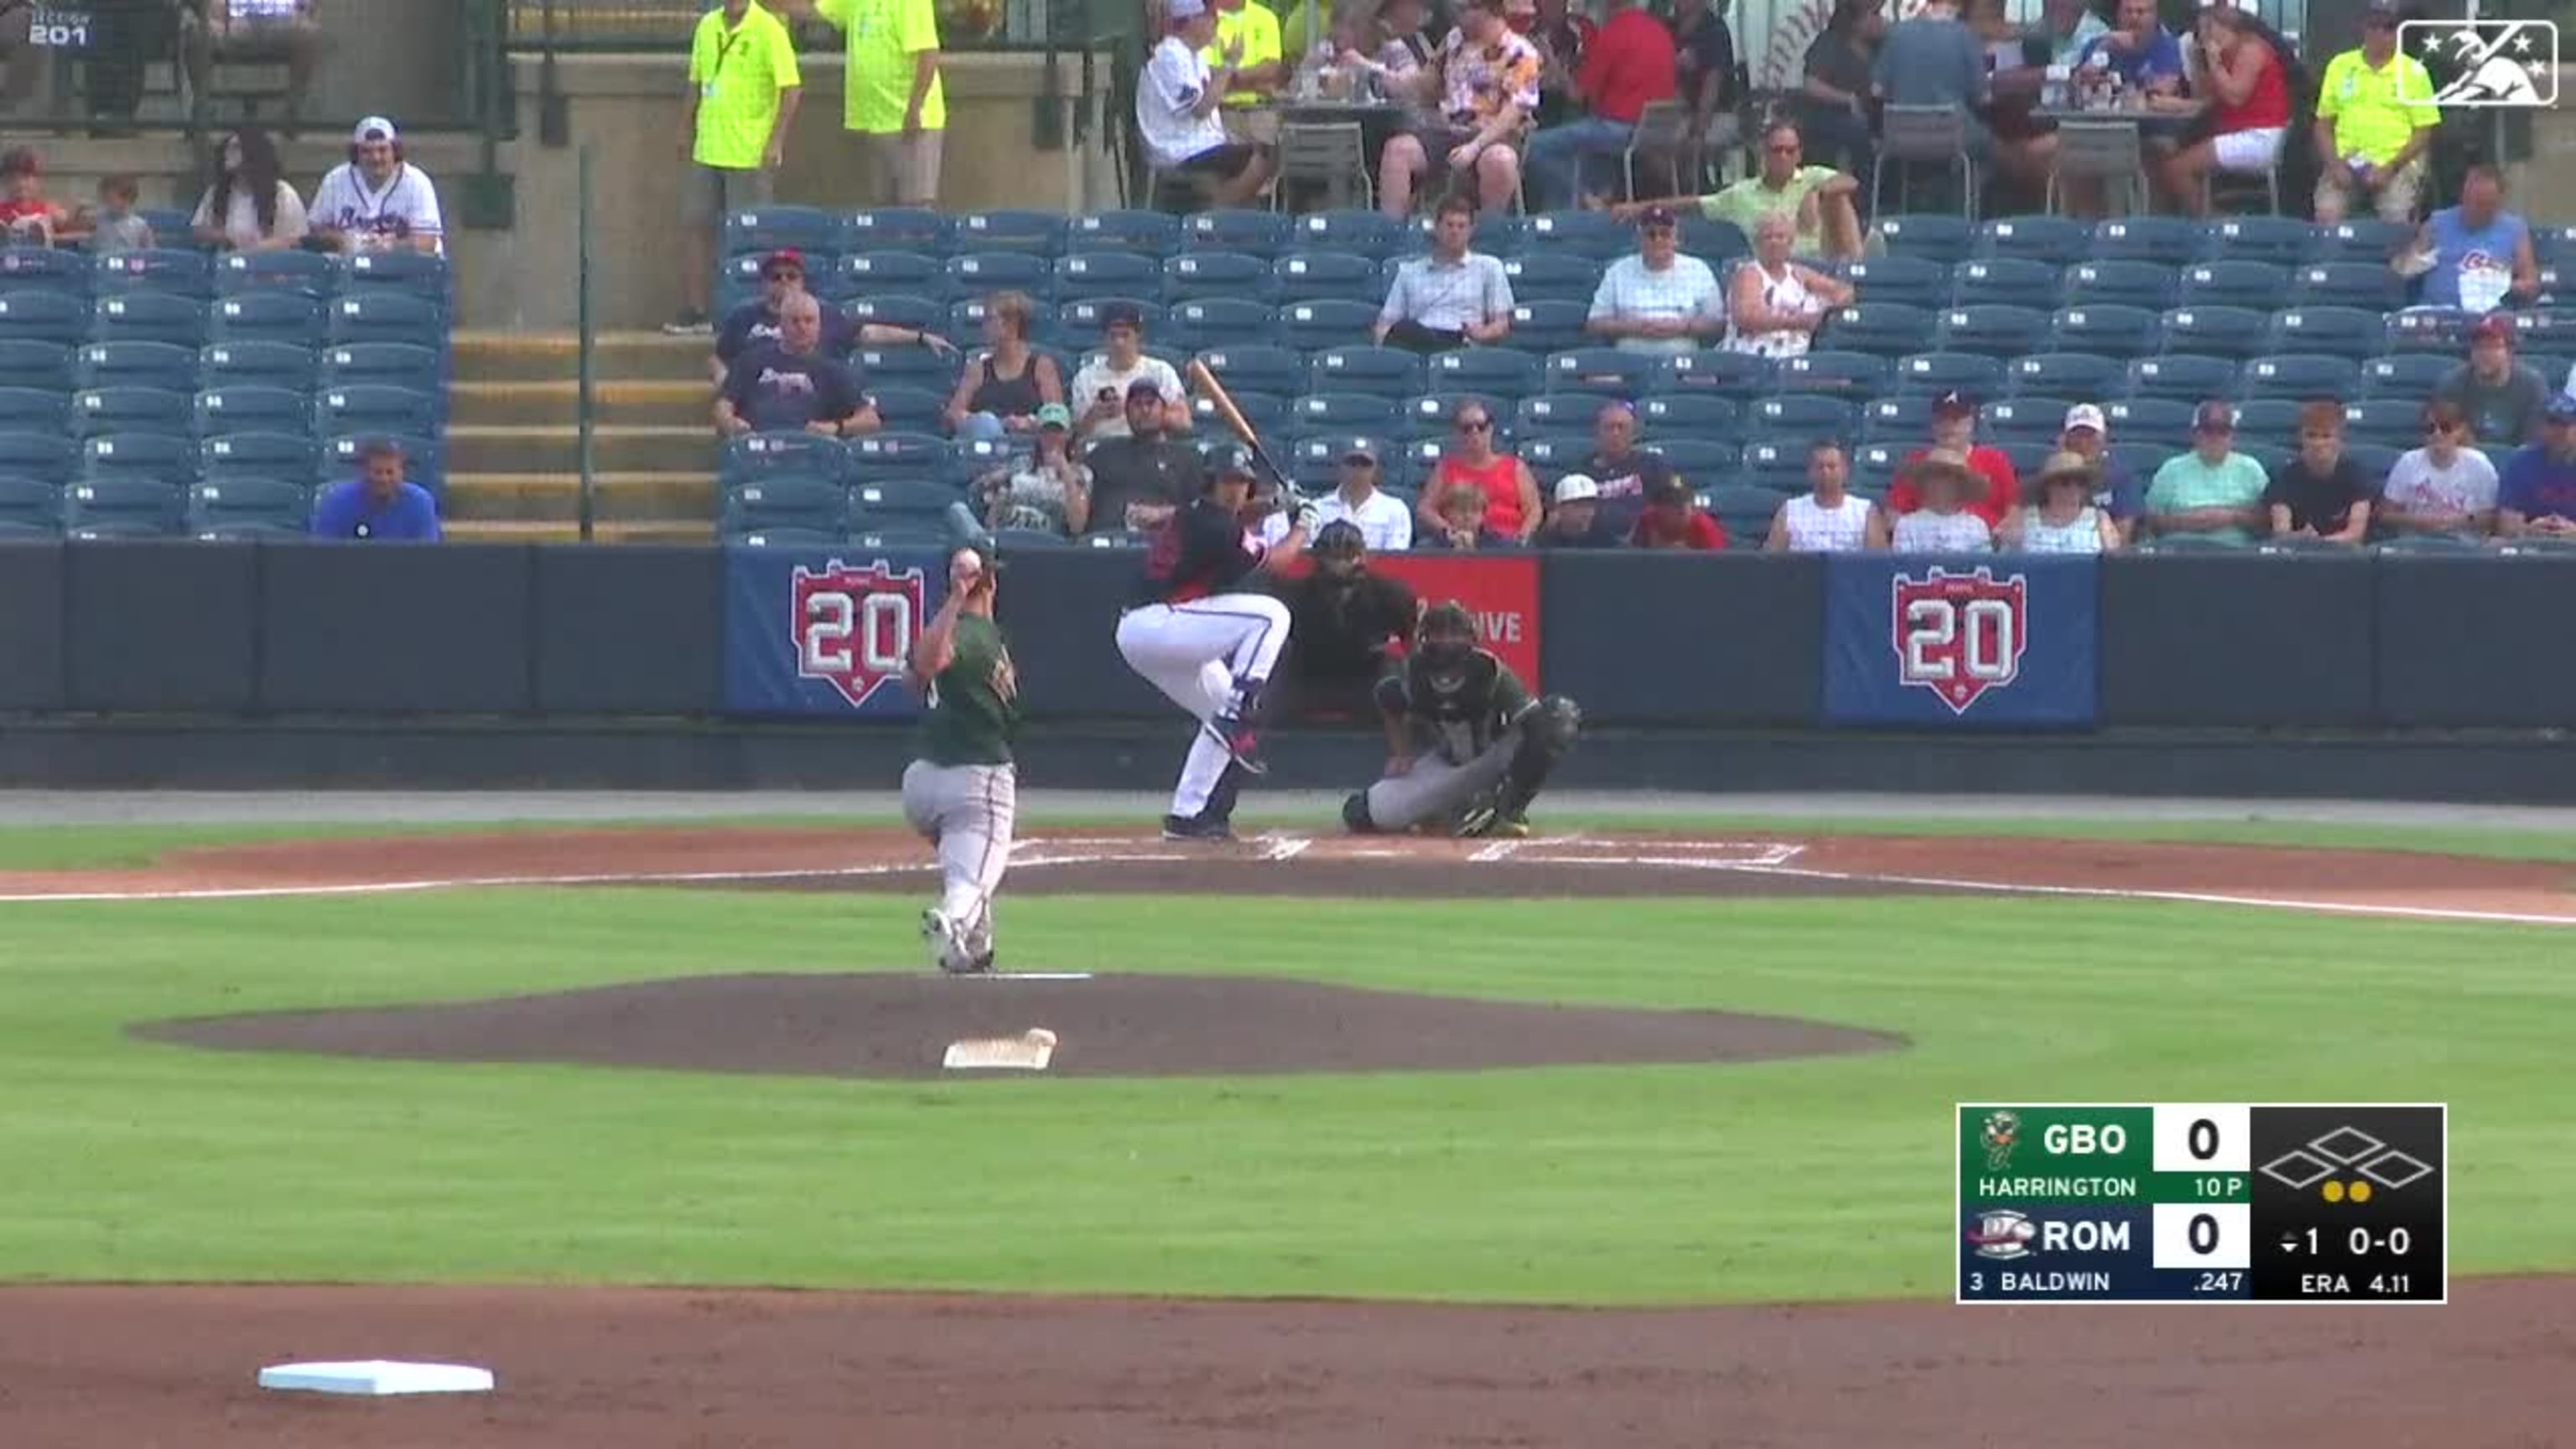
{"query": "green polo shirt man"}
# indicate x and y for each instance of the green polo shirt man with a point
(896, 105)
(743, 90)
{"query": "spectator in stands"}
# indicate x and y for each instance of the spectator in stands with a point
(743, 90)
(1347, 624)
(2476, 256)
(897, 101)
(1658, 300)
(1932, 59)
(376, 200)
(1819, 198)
(1460, 522)
(2213, 491)
(1944, 522)
(1451, 297)
(1954, 430)
(1248, 42)
(1672, 518)
(1385, 524)
(1510, 492)
(1622, 471)
(1577, 521)
(2375, 121)
(1484, 87)
(2069, 27)
(251, 207)
(27, 216)
(380, 505)
(2116, 491)
(1141, 475)
(1001, 388)
(2141, 52)
(1704, 80)
(1176, 107)
(1833, 103)
(1047, 492)
(2066, 519)
(756, 323)
(2247, 90)
(254, 32)
(794, 384)
(1774, 305)
(2444, 487)
(113, 225)
(1828, 517)
(1104, 388)
(1563, 38)
(1627, 67)
(2320, 493)
(2501, 398)
(2536, 488)
(1397, 45)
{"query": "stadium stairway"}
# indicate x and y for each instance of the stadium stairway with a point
(514, 439)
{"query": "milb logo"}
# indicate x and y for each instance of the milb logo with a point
(853, 628)
(1959, 635)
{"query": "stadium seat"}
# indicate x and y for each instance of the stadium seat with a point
(45, 269)
(1256, 367)
(911, 409)
(29, 505)
(1241, 230)
(2125, 283)
(778, 538)
(908, 365)
(2186, 375)
(2026, 419)
(42, 365)
(1850, 375)
(760, 455)
(1545, 413)
(2395, 421)
(980, 274)
(99, 411)
(2238, 332)
(2075, 374)
(2168, 240)
(2269, 421)
(2374, 459)
(311, 273)
(767, 228)
(258, 455)
(50, 457)
(966, 319)
(1420, 456)
(1775, 468)
(911, 273)
(1700, 461)
(41, 316)
(415, 274)
(896, 309)
(1886, 329)
(2346, 284)
(1599, 372)
(29, 410)
(1594, 234)
(1079, 322)
(1723, 374)
(2053, 241)
(1897, 419)
(784, 501)
(2431, 329)
(138, 364)
(379, 408)
(170, 457)
(2342, 331)
(892, 454)
(2141, 457)
(2409, 375)
(1554, 456)
(1024, 539)
(269, 364)
(893, 228)
(2161, 420)
(2281, 240)
(1108, 274)
(166, 270)
(1905, 281)
(2233, 284)
(1690, 415)
(1315, 326)
(2545, 329)
(1552, 276)
(1550, 327)
(234, 506)
(1341, 412)
(2370, 242)
(1315, 460)
(1497, 234)
(1710, 240)
(1354, 230)
(2109, 330)
(397, 364)
(2299, 375)
(155, 317)
(124, 506)
(1492, 372)
(424, 459)
(249, 407)
(1035, 233)
(1802, 416)
(2554, 245)
(2005, 281)
(1936, 372)
(1215, 275)
(1930, 235)
(387, 315)
(968, 459)
(1148, 233)
(1309, 276)
(895, 497)
(1998, 331)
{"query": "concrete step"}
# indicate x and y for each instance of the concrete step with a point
(518, 449)
(556, 357)
(526, 531)
(527, 404)
(626, 497)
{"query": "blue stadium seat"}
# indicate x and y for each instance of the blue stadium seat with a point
(2346, 284)
(379, 408)
(2233, 284)
(1355, 230)
(1930, 235)
(784, 500)
(1594, 234)
(1261, 234)
(894, 309)
(45, 365)
(1973, 373)
(1341, 412)
(1079, 321)
(28, 410)
(1321, 276)
(2282, 240)
(2408, 375)
(907, 365)
(1552, 457)
(167, 457)
(386, 315)
(2186, 375)
(2299, 375)
(40, 316)
(2374, 459)
(2054, 241)
(225, 456)
(1802, 416)
(2269, 421)
(1151, 233)
(165, 270)
(416, 274)
(1314, 326)
(2544, 330)
(759, 455)
(767, 228)
(424, 459)
(248, 407)
(2141, 459)
(2370, 242)
(1267, 412)
(1492, 372)
(1315, 460)
(45, 269)
(966, 319)
(2111, 331)
(1599, 372)
(1897, 419)
(1723, 374)
(913, 273)
(1905, 281)
(2026, 419)
(968, 459)
(893, 455)
(1713, 242)
(980, 274)
(891, 229)
(1852, 375)
(1363, 368)
(2005, 281)
(2394, 421)
(138, 364)
(1775, 468)
(895, 499)
(1887, 329)
(1036, 233)
(1497, 234)
(2125, 283)
(99, 411)
(124, 506)
(2342, 331)
(1545, 413)
(270, 364)
(779, 538)
(247, 505)
(53, 457)
(1999, 331)
(29, 506)
(2169, 240)
(1699, 461)
(1257, 367)
(1108, 274)
(311, 273)
(2163, 420)
(399, 364)
(2431, 329)
(1550, 327)
(1211, 275)
(911, 409)
(1205, 322)
(152, 317)
(2080, 375)
(1690, 415)
(1552, 276)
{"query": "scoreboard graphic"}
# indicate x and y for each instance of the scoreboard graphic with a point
(2203, 1202)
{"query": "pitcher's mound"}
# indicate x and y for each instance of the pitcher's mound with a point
(1108, 1026)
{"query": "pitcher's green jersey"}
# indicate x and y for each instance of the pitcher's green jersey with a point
(974, 705)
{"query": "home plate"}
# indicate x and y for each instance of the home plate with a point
(1030, 1051)
(377, 1378)
(1026, 976)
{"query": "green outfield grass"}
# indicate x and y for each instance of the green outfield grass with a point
(1788, 1181)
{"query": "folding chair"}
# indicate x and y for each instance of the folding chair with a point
(1916, 135)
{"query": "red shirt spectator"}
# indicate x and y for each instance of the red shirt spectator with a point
(1628, 66)
(1672, 518)
(1954, 423)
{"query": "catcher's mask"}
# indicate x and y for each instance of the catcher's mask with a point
(1339, 551)
(1448, 635)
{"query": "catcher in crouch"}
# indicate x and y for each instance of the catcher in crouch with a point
(1468, 747)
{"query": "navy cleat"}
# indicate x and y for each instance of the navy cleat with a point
(1211, 828)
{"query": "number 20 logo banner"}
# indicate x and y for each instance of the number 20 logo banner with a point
(810, 632)
(1971, 642)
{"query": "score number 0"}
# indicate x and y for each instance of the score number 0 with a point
(882, 622)
(1981, 630)
(2205, 1140)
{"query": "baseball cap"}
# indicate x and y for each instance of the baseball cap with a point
(375, 128)
(2492, 328)
(2561, 408)
(1655, 216)
(1122, 314)
(1187, 9)
(1575, 488)
(2085, 415)
(782, 259)
(1144, 387)
(2214, 417)
(2383, 12)
(1953, 404)
(1231, 462)
(1055, 415)
(1359, 450)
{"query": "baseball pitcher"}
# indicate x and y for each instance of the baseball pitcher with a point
(1468, 747)
(961, 791)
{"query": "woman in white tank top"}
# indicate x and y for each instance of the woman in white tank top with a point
(1774, 305)
(1826, 519)
(2065, 520)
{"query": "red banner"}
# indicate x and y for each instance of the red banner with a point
(1501, 592)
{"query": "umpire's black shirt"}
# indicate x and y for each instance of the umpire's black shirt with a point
(1339, 636)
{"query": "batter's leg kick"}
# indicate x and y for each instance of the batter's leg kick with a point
(966, 811)
(1212, 657)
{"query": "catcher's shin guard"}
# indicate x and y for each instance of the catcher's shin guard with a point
(1547, 733)
(1355, 814)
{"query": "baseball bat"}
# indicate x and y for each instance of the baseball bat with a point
(1205, 380)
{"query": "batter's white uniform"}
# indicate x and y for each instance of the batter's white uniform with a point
(1197, 637)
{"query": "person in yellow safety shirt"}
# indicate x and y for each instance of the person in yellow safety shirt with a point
(2375, 120)
(897, 105)
(1247, 38)
(744, 87)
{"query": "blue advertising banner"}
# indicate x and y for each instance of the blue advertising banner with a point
(826, 632)
(1961, 641)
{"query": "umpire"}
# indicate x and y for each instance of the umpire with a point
(1348, 626)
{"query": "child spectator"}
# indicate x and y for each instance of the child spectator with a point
(1672, 518)
(1046, 493)
(28, 218)
(1944, 523)
(1459, 524)
(112, 225)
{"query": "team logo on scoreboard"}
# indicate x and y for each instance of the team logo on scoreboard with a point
(2003, 1234)
(1959, 635)
(853, 627)
(2001, 1132)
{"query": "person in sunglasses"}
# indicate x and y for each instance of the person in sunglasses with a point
(1510, 491)
(2444, 487)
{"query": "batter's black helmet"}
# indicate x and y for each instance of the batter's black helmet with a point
(1230, 461)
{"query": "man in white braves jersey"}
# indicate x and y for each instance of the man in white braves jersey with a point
(377, 201)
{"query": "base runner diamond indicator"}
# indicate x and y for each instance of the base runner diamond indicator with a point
(2393, 1170)
(2297, 1169)
(2346, 1144)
